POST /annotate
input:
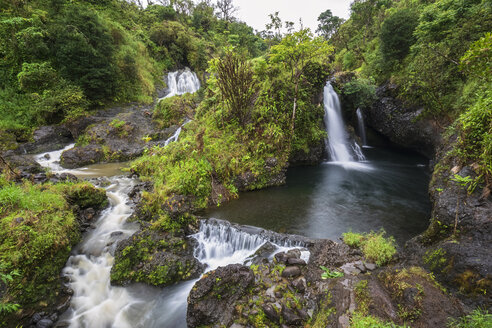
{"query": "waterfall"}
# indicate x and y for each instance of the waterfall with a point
(180, 83)
(221, 243)
(339, 145)
(176, 134)
(95, 303)
(362, 126)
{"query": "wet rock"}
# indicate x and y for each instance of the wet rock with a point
(271, 312)
(291, 271)
(370, 266)
(47, 138)
(263, 253)
(81, 156)
(44, 323)
(290, 317)
(314, 156)
(210, 300)
(299, 284)
(350, 269)
(295, 261)
(37, 316)
(398, 121)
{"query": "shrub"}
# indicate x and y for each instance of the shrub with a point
(374, 245)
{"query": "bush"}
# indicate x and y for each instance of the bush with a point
(374, 245)
(359, 93)
(397, 35)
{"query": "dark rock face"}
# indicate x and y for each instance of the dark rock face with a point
(211, 299)
(115, 135)
(456, 246)
(80, 156)
(393, 119)
(314, 156)
(47, 138)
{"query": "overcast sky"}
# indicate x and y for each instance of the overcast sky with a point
(255, 12)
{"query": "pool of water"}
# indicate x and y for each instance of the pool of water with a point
(388, 191)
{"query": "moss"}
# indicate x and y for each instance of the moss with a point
(361, 321)
(154, 259)
(326, 310)
(407, 290)
(173, 110)
(362, 297)
(435, 259)
(38, 229)
(472, 283)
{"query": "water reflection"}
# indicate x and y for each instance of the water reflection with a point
(388, 191)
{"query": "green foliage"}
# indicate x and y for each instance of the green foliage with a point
(360, 321)
(477, 60)
(173, 110)
(374, 245)
(477, 319)
(353, 239)
(475, 141)
(329, 273)
(359, 93)
(237, 86)
(328, 24)
(397, 35)
(37, 230)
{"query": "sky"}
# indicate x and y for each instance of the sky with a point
(255, 12)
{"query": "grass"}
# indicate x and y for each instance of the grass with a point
(375, 246)
(477, 319)
(38, 229)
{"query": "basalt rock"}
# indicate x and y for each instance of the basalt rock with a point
(456, 246)
(47, 138)
(402, 123)
(211, 299)
(156, 258)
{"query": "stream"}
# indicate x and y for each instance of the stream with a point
(357, 190)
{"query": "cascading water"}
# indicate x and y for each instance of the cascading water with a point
(176, 134)
(362, 126)
(95, 303)
(339, 145)
(180, 83)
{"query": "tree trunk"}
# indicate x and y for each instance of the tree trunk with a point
(293, 124)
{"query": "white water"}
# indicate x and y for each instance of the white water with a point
(96, 303)
(176, 134)
(339, 145)
(180, 83)
(362, 127)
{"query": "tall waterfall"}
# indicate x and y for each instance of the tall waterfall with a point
(182, 82)
(339, 145)
(362, 126)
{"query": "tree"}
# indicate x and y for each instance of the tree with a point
(296, 52)
(328, 24)
(226, 10)
(397, 34)
(237, 85)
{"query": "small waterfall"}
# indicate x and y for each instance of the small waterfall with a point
(221, 243)
(176, 134)
(362, 126)
(180, 83)
(339, 145)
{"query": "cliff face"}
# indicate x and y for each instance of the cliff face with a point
(401, 124)
(456, 246)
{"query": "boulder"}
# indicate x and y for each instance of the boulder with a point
(211, 300)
